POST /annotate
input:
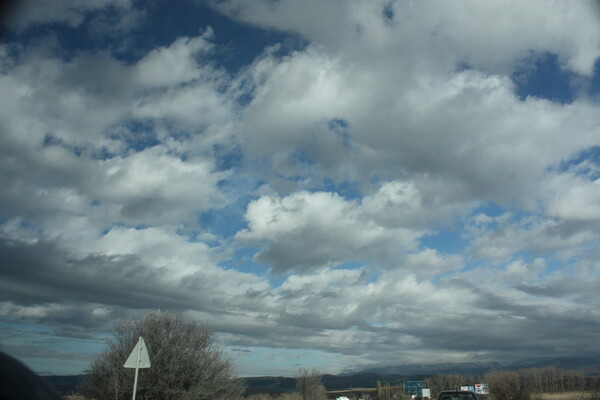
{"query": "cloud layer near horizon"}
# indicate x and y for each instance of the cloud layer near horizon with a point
(386, 191)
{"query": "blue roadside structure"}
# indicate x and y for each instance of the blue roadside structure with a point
(414, 387)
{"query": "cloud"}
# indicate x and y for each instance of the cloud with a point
(573, 197)
(537, 235)
(100, 96)
(309, 230)
(344, 118)
(304, 231)
(150, 186)
(28, 280)
(153, 187)
(44, 280)
(174, 64)
(310, 202)
(85, 137)
(448, 33)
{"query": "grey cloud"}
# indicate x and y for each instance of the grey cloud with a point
(539, 235)
(512, 326)
(43, 272)
(584, 290)
(266, 333)
(43, 351)
(64, 290)
(241, 350)
(555, 290)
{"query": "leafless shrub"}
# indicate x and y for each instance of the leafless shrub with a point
(308, 384)
(185, 363)
(385, 391)
(290, 396)
(260, 396)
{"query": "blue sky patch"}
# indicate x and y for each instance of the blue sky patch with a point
(580, 166)
(444, 241)
(545, 78)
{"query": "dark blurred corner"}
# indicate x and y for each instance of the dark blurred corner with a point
(17, 382)
(8, 9)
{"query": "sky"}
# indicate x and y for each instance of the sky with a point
(334, 184)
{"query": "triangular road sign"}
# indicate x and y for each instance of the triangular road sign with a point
(139, 357)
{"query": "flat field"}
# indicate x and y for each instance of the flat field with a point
(567, 396)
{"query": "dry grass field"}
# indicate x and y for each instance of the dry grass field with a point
(567, 396)
(544, 396)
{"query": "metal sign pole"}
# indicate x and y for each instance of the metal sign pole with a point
(138, 358)
(137, 368)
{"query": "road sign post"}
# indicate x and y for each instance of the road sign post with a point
(138, 358)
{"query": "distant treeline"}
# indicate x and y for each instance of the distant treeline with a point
(524, 384)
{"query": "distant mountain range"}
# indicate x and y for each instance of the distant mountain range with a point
(272, 384)
(395, 375)
(588, 365)
(64, 384)
(392, 375)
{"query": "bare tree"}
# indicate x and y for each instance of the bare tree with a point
(308, 384)
(185, 363)
(443, 382)
(507, 385)
(379, 390)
